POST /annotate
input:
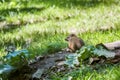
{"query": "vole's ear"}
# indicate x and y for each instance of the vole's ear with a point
(72, 35)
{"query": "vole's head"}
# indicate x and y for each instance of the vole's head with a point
(69, 37)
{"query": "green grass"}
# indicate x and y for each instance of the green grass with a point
(46, 23)
(104, 72)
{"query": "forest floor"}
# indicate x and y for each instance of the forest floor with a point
(41, 26)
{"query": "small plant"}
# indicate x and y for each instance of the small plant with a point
(86, 52)
(12, 61)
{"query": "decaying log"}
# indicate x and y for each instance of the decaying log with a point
(113, 45)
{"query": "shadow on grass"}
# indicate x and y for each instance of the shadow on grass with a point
(77, 3)
(5, 12)
(11, 26)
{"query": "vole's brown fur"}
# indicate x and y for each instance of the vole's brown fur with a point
(74, 43)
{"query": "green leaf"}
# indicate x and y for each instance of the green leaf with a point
(17, 58)
(104, 52)
(85, 52)
(5, 68)
(72, 60)
(16, 53)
